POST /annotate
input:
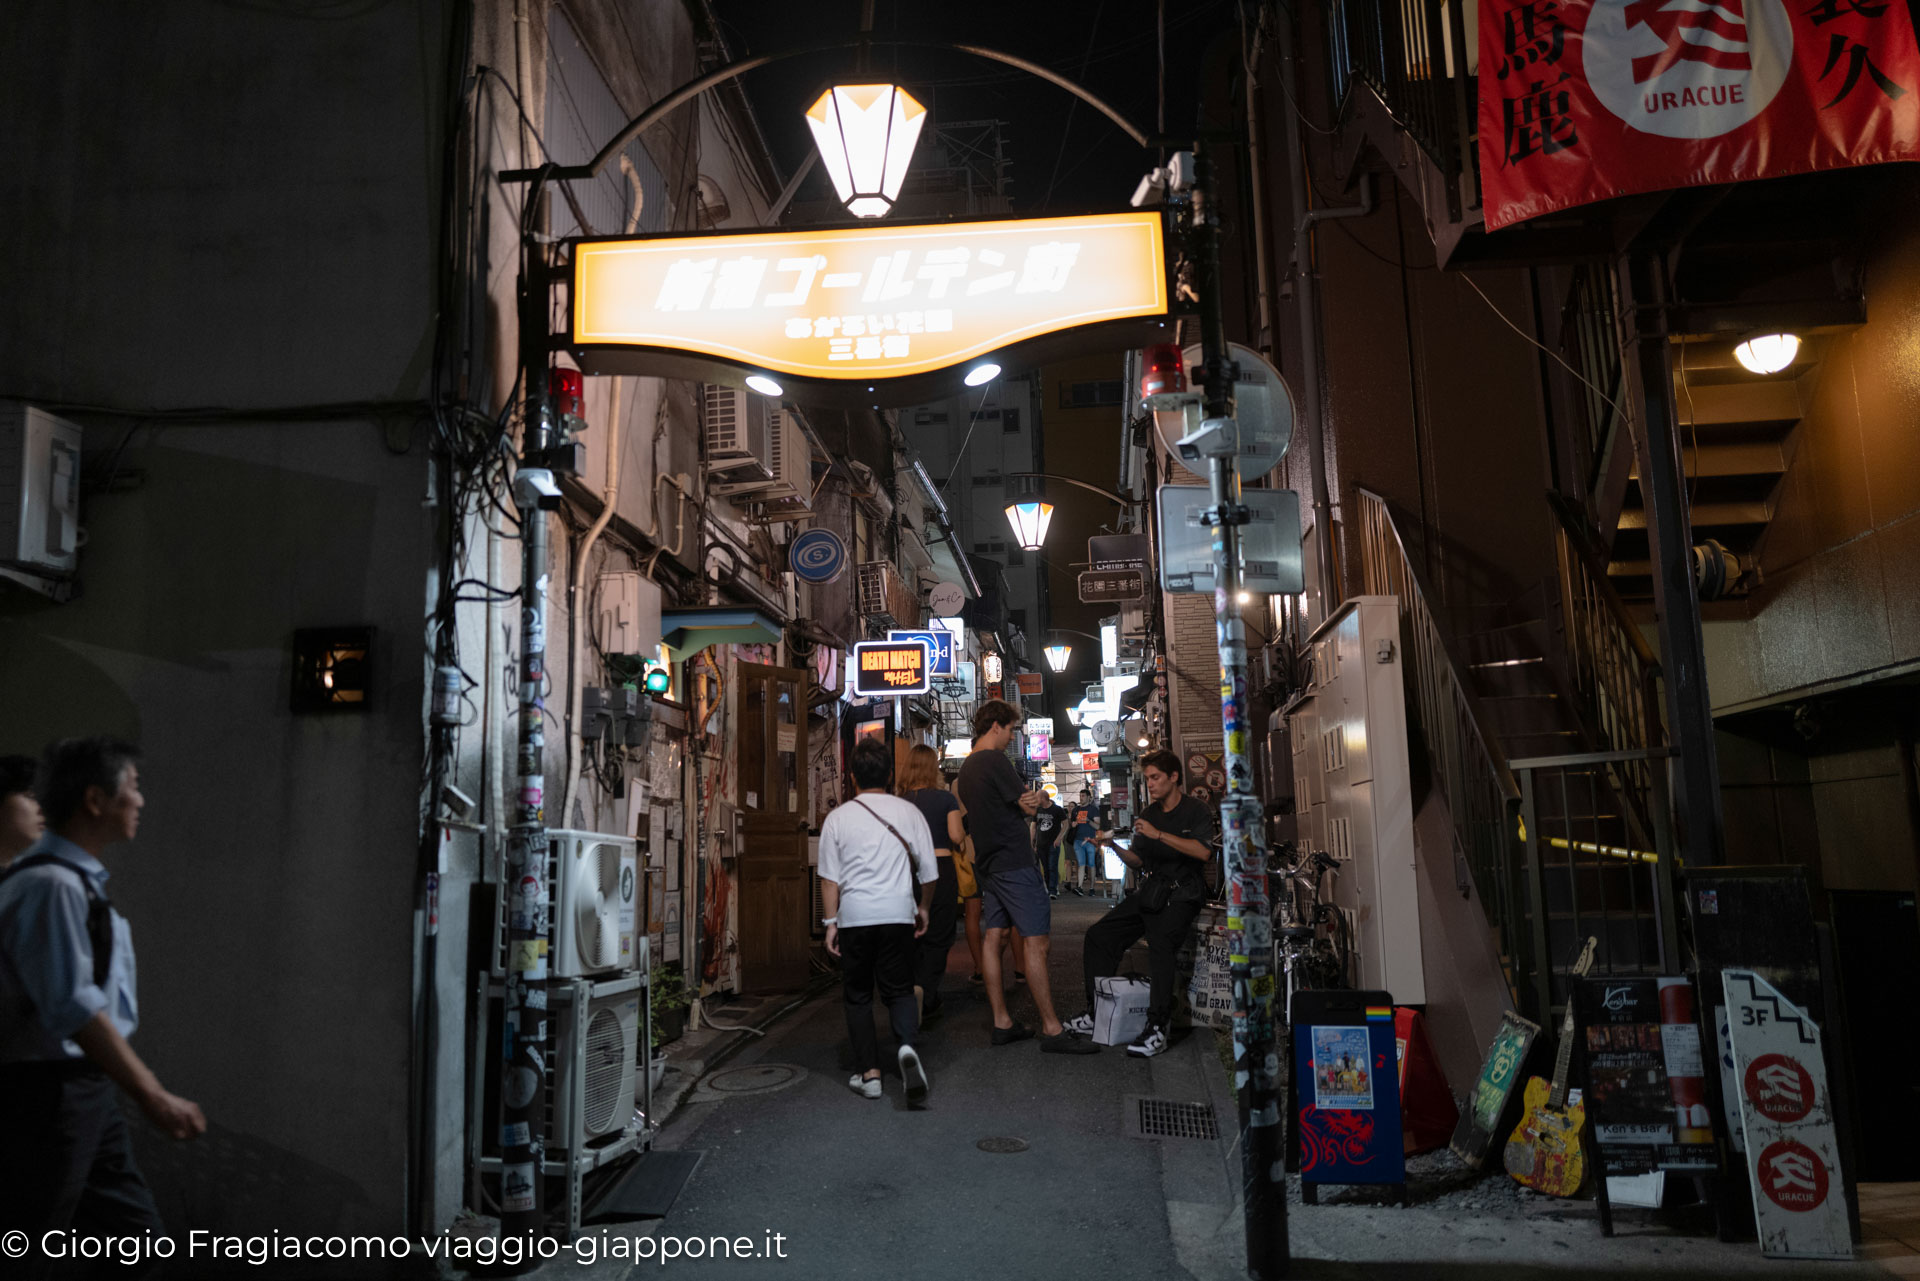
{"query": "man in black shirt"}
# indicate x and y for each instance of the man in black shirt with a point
(998, 805)
(1048, 822)
(1170, 846)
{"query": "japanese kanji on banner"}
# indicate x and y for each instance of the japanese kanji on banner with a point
(1583, 100)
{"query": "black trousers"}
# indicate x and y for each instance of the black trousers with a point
(930, 949)
(1109, 938)
(881, 954)
(66, 1161)
(1050, 866)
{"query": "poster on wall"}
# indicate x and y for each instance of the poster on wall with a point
(1583, 100)
(1646, 1083)
(1792, 1157)
(1341, 1076)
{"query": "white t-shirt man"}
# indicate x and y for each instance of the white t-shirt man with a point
(868, 863)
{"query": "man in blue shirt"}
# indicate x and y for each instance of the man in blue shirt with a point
(68, 1003)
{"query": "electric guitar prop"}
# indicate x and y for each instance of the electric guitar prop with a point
(1545, 1152)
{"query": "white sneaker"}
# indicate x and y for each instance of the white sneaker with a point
(1151, 1041)
(867, 1087)
(1080, 1025)
(915, 1075)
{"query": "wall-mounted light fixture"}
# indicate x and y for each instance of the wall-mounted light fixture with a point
(332, 669)
(1767, 353)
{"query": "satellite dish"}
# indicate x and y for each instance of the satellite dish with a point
(946, 599)
(1105, 732)
(1262, 405)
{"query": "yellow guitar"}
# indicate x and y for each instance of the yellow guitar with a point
(1545, 1152)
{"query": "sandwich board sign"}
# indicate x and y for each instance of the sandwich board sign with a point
(1793, 1158)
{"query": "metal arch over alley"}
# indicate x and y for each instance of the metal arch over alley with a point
(690, 486)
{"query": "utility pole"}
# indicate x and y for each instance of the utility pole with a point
(524, 1010)
(1256, 1051)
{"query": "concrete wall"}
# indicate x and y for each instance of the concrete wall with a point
(229, 207)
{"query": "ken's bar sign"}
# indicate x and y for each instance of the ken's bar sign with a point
(870, 301)
(1582, 100)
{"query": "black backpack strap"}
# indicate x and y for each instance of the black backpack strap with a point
(99, 910)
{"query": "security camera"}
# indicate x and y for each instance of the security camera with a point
(533, 487)
(1152, 189)
(1213, 438)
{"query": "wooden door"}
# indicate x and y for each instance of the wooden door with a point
(776, 893)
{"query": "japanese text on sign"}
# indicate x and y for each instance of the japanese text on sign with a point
(864, 302)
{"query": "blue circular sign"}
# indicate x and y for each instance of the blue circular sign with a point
(817, 556)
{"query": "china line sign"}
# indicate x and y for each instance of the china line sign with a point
(872, 301)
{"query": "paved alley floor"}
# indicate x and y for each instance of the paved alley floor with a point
(859, 1189)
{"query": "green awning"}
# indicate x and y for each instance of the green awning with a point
(686, 632)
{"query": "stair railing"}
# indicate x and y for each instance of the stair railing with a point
(1466, 760)
(1412, 54)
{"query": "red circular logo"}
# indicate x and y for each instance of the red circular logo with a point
(1793, 1176)
(1779, 1088)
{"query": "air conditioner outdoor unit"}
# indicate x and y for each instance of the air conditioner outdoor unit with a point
(789, 455)
(739, 433)
(884, 594)
(596, 1046)
(593, 881)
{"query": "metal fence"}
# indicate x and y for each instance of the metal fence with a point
(1414, 55)
(1467, 764)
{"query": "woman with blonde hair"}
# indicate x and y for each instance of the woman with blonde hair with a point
(920, 783)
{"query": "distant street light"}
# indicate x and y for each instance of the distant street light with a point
(866, 134)
(1057, 656)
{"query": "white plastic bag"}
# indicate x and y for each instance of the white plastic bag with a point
(1120, 1009)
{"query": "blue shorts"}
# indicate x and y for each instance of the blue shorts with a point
(1018, 897)
(1085, 852)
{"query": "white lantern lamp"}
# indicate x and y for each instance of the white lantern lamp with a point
(866, 135)
(1057, 656)
(1767, 353)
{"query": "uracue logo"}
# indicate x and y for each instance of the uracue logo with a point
(1687, 68)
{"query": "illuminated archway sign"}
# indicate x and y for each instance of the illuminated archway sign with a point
(843, 308)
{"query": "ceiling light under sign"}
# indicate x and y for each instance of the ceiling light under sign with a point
(763, 384)
(866, 135)
(982, 373)
(1768, 353)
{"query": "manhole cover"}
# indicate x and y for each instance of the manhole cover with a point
(753, 1078)
(1002, 1144)
(1164, 1119)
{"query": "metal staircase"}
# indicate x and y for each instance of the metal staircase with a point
(1542, 736)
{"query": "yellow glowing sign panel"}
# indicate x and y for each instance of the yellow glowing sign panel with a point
(868, 302)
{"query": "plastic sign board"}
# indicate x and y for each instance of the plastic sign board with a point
(939, 640)
(1269, 542)
(891, 667)
(1101, 585)
(866, 302)
(1799, 1203)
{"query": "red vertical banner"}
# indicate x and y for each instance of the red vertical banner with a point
(1583, 100)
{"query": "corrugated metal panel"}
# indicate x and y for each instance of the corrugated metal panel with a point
(581, 116)
(1194, 685)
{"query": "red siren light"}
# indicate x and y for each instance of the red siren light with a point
(568, 390)
(1163, 370)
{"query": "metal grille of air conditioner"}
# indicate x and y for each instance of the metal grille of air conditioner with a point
(885, 595)
(606, 1054)
(739, 434)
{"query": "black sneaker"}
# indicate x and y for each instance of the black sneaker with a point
(1067, 1043)
(1008, 1035)
(1151, 1041)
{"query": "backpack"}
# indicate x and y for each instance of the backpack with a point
(99, 910)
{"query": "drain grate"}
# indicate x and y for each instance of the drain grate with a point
(1002, 1145)
(1164, 1119)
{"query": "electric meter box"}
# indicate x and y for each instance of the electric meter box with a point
(39, 490)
